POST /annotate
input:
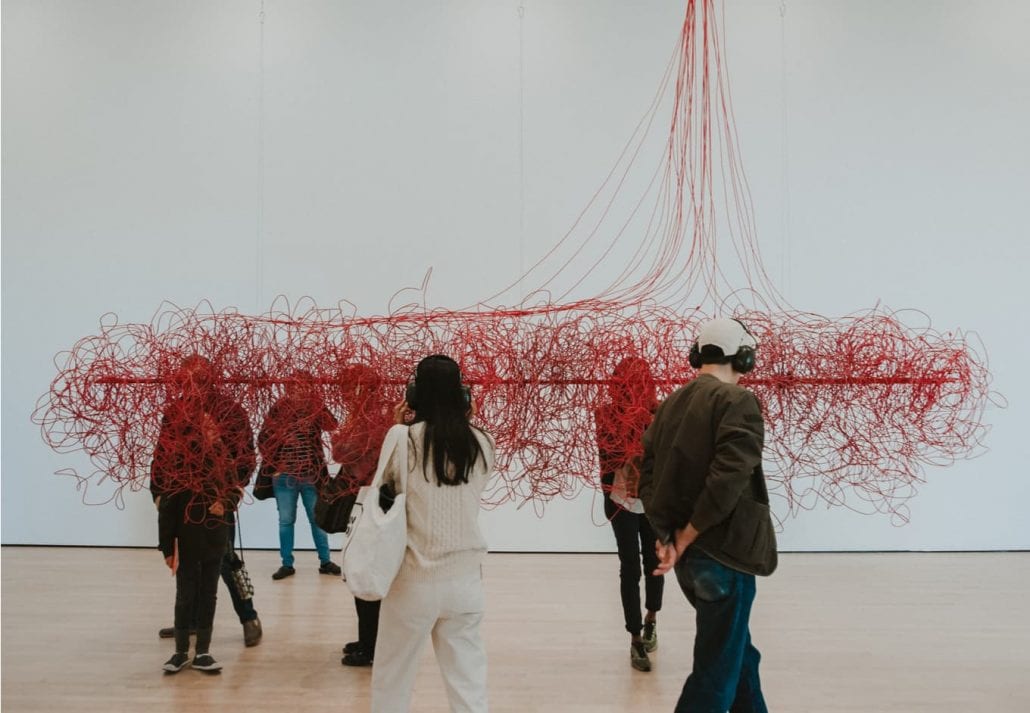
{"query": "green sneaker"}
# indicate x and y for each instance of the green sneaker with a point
(638, 657)
(650, 636)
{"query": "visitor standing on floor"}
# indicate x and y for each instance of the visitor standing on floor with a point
(203, 458)
(620, 427)
(290, 443)
(356, 445)
(438, 592)
(705, 494)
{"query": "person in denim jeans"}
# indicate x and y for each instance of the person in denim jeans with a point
(723, 652)
(288, 490)
(291, 448)
(704, 492)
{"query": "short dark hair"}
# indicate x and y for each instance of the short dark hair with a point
(711, 354)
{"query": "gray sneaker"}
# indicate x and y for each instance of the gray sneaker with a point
(252, 632)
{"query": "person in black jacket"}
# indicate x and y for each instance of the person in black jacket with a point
(620, 425)
(704, 492)
(203, 458)
(356, 444)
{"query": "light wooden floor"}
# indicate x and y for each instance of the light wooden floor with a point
(838, 632)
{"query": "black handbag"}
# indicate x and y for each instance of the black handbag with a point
(263, 489)
(335, 501)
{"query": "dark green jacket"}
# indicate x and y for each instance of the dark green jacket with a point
(703, 465)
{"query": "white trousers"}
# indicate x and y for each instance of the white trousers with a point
(450, 611)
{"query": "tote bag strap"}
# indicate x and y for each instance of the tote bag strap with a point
(402, 458)
(397, 439)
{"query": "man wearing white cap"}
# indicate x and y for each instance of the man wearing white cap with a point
(705, 495)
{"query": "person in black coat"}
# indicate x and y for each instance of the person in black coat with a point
(204, 456)
(621, 423)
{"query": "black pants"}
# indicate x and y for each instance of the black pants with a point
(196, 591)
(635, 540)
(368, 623)
(244, 606)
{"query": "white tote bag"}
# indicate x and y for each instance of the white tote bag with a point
(376, 540)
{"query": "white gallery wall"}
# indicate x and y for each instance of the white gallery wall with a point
(237, 150)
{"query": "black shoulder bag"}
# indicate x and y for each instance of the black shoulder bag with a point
(336, 499)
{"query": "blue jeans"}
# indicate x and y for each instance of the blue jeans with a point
(287, 489)
(725, 674)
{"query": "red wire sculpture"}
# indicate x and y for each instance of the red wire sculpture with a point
(855, 407)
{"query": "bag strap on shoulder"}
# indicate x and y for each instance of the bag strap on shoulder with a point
(402, 457)
(396, 440)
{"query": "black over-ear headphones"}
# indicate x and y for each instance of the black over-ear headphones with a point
(742, 362)
(411, 392)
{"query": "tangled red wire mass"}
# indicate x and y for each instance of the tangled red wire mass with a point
(855, 407)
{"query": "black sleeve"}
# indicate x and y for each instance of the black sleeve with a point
(159, 465)
(662, 526)
(169, 515)
(240, 439)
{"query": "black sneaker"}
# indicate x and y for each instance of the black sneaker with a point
(284, 572)
(351, 647)
(205, 662)
(650, 636)
(176, 663)
(357, 658)
(330, 568)
(638, 658)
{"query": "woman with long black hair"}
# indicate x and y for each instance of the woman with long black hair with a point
(439, 589)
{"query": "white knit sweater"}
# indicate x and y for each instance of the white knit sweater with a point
(444, 539)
